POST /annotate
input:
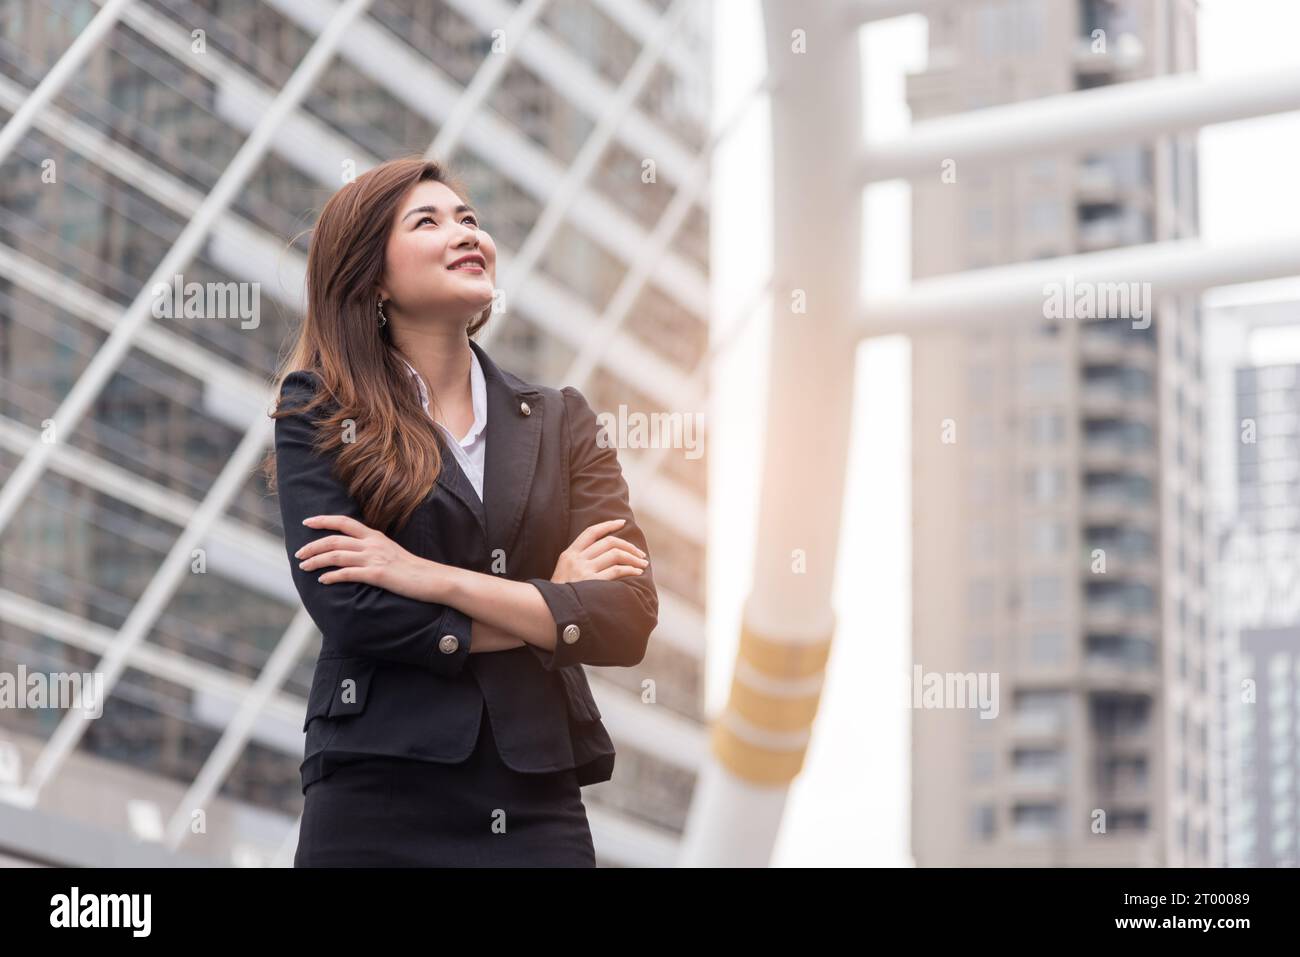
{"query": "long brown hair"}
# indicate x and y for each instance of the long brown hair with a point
(390, 460)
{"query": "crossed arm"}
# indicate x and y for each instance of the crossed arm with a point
(378, 599)
(506, 613)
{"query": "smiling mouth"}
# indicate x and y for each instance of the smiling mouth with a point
(472, 265)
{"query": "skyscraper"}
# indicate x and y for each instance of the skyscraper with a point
(1058, 473)
(94, 197)
(1255, 387)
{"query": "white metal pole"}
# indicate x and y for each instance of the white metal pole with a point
(1081, 121)
(1018, 292)
(759, 742)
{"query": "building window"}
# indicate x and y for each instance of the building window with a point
(1047, 538)
(1045, 427)
(1044, 484)
(1046, 592)
(1047, 647)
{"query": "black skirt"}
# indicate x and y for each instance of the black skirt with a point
(401, 812)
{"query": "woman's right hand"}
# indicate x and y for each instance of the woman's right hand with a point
(595, 554)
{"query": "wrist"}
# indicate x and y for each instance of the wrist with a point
(439, 582)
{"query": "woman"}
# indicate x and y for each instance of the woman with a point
(461, 538)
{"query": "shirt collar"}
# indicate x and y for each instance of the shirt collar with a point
(478, 390)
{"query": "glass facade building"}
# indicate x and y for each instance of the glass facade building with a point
(93, 198)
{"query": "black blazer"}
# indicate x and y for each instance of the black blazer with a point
(394, 675)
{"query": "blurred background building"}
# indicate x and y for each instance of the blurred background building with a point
(91, 201)
(1253, 375)
(1079, 441)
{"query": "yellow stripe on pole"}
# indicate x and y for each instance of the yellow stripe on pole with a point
(770, 711)
(753, 763)
(766, 711)
(784, 659)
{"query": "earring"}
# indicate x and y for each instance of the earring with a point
(383, 319)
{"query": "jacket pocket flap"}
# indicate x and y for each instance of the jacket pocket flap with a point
(322, 685)
(351, 686)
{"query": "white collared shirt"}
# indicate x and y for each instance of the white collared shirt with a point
(471, 448)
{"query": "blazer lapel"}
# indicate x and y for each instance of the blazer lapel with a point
(514, 439)
(453, 478)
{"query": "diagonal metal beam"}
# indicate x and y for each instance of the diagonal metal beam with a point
(137, 314)
(580, 84)
(60, 74)
(552, 215)
(635, 278)
(426, 90)
(235, 472)
(484, 81)
(640, 472)
(288, 650)
(153, 600)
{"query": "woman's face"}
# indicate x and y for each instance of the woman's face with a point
(430, 232)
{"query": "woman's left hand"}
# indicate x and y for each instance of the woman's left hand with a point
(362, 554)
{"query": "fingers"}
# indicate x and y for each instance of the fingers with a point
(593, 532)
(341, 523)
(328, 543)
(610, 540)
(617, 571)
(341, 557)
(617, 556)
(352, 573)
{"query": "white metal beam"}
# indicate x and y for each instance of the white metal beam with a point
(486, 79)
(153, 659)
(144, 613)
(96, 375)
(239, 246)
(1081, 121)
(564, 192)
(633, 363)
(235, 736)
(60, 74)
(634, 278)
(580, 85)
(554, 311)
(861, 12)
(424, 89)
(1016, 292)
(638, 20)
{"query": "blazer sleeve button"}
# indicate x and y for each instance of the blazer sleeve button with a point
(448, 644)
(571, 633)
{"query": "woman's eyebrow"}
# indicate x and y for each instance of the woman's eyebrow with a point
(462, 208)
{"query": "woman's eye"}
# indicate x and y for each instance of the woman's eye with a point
(471, 219)
(423, 220)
